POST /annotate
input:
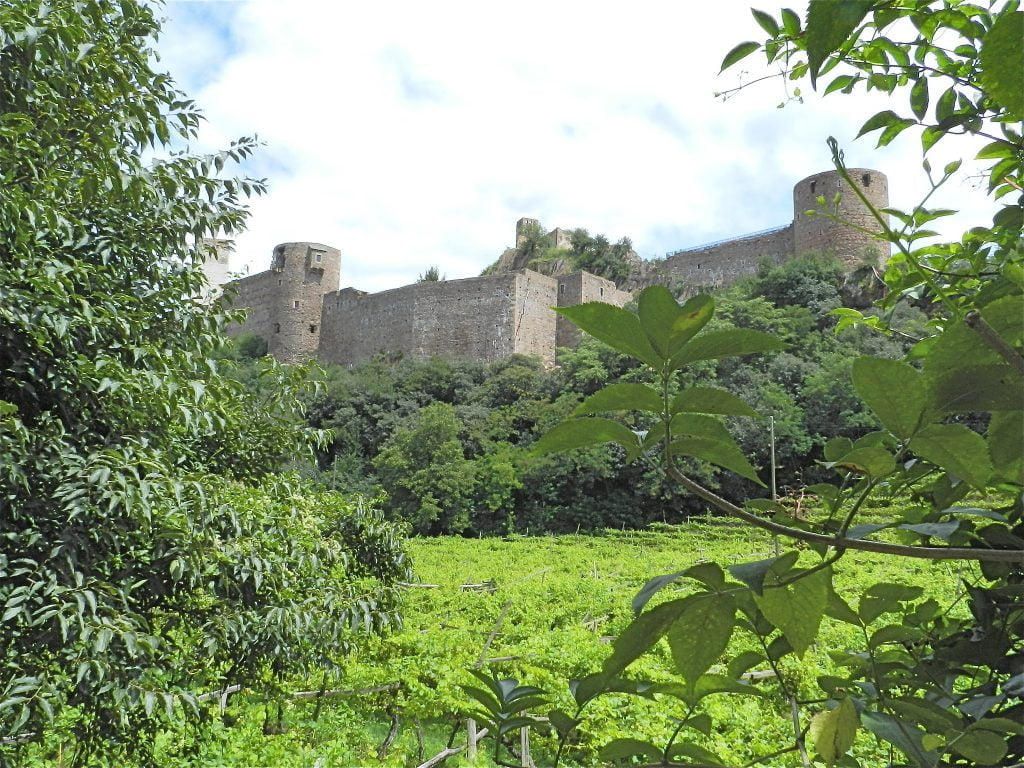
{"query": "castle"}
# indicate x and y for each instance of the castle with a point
(297, 308)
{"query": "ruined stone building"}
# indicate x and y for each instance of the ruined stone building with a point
(297, 307)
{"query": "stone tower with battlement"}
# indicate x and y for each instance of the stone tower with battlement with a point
(818, 233)
(522, 226)
(723, 262)
(284, 304)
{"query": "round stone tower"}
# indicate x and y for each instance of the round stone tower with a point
(300, 275)
(820, 234)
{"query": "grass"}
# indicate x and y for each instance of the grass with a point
(546, 615)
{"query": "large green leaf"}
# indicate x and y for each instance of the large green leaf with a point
(754, 573)
(716, 452)
(1002, 62)
(957, 346)
(1006, 445)
(728, 343)
(710, 684)
(709, 400)
(993, 387)
(894, 391)
(795, 608)
(667, 325)
(829, 24)
(832, 731)
(658, 311)
(903, 734)
(701, 425)
(1006, 316)
(738, 53)
(957, 449)
(980, 746)
(693, 316)
(871, 460)
(641, 635)
(614, 326)
(701, 633)
(584, 432)
(622, 396)
(708, 574)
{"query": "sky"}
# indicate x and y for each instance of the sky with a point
(411, 134)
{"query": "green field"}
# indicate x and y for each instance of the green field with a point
(544, 614)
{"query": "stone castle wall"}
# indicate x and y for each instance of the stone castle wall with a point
(284, 304)
(722, 263)
(580, 288)
(480, 318)
(297, 307)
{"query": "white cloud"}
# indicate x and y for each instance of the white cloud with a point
(411, 134)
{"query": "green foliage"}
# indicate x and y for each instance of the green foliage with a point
(915, 686)
(431, 275)
(502, 408)
(425, 473)
(595, 254)
(149, 554)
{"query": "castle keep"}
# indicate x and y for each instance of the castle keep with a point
(297, 307)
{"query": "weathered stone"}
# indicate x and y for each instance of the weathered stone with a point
(297, 308)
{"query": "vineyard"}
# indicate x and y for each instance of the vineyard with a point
(540, 610)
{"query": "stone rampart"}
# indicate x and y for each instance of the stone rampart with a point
(479, 318)
(297, 308)
(580, 288)
(723, 263)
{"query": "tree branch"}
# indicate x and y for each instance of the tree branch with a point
(863, 545)
(994, 340)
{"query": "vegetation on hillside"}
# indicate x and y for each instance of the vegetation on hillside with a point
(451, 442)
(589, 253)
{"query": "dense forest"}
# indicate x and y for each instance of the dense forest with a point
(450, 443)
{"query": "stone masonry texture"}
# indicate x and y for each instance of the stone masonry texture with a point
(297, 308)
(284, 305)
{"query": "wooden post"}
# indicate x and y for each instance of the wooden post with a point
(524, 745)
(471, 739)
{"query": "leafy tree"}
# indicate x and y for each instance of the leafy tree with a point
(595, 254)
(426, 474)
(148, 555)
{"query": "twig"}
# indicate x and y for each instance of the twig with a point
(994, 340)
(382, 752)
(494, 632)
(794, 710)
(444, 754)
